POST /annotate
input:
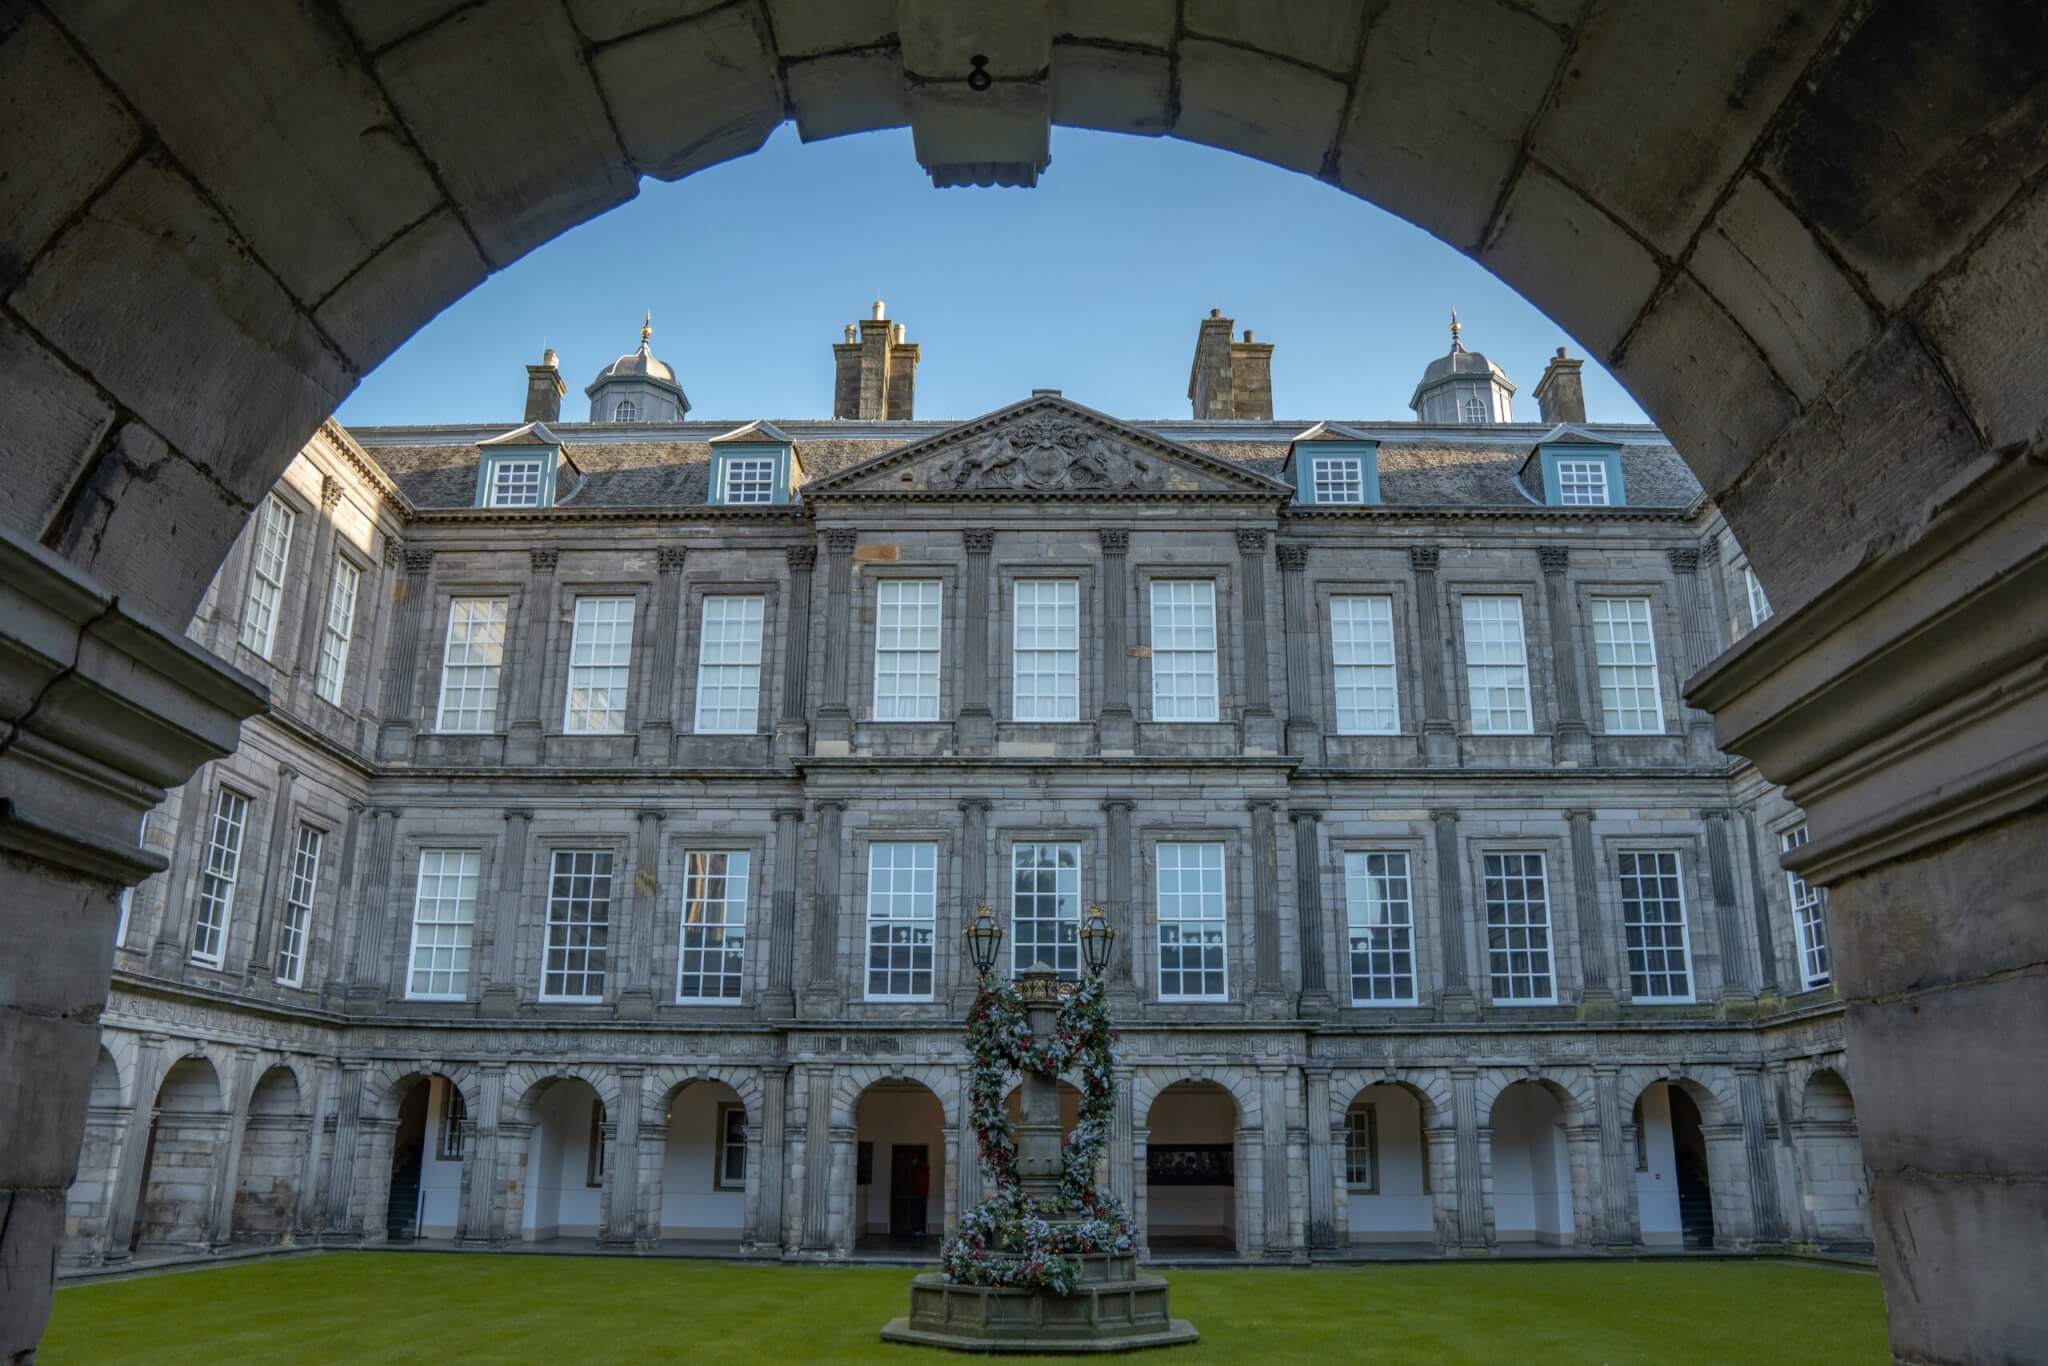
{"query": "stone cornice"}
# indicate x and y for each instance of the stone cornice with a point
(1312, 512)
(715, 512)
(366, 467)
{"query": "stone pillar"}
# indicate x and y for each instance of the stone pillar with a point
(1760, 909)
(1039, 1159)
(835, 711)
(779, 1002)
(1439, 732)
(1322, 1162)
(1470, 1179)
(227, 1161)
(1617, 1202)
(276, 872)
(319, 586)
(766, 1234)
(974, 890)
(1258, 728)
(1455, 1000)
(499, 999)
(1304, 735)
(1756, 1151)
(1597, 1001)
(1269, 1000)
(402, 654)
(480, 1223)
(1573, 742)
(977, 732)
(967, 1167)
(1126, 978)
(367, 982)
(1738, 979)
(127, 1194)
(1702, 640)
(347, 916)
(306, 1211)
(657, 709)
(1117, 728)
(1123, 1154)
(342, 1226)
(622, 1204)
(636, 995)
(1277, 1224)
(818, 1193)
(1316, 1001)
(529, 668)
(792, 726)
(822, 986)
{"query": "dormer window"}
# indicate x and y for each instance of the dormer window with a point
(1331, 466)
(1575, 469)
(522, 469)
(1339, 479)
(754, 466)
(1582, 483)
(516, 481)
(750, 479)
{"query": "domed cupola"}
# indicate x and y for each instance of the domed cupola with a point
(637, 387)
(1462, 387)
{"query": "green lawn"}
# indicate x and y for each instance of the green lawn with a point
(412, 1307)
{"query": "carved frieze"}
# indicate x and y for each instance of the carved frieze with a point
(1047, 454)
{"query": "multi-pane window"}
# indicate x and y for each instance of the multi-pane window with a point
(1518, 927)
(907, 650)
(1653, 927)
(1472, 410)
(1379, 913)
(217, 878)
(732, 1148)
(128, 893)
(902, 920)
(474, 655)
(1045, 907)
(593, 1160)
(729, 667)
(1048, 650)
(626, 411)
(454, 1118)
(1184, 650)
(1626, 657)
(444, 923)
(297, 919)
(1496, 666)
(1759, 605)
(1191, 929)
(750, 479)
(714, 933)
(1362, 655)
(600, 661)
(1809, 918)
(1362, 1148)
(515, 483)
(266, 574)
(1339, 479)
(579, 925)
(336, 630)
(1582, 483)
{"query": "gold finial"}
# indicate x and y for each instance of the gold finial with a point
(647, 326)
(1455, 344)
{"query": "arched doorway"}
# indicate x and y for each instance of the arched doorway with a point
(182, 1159)
(1674, 1182)
(899, 1193)
(1532, 1167)
(567, 1154)
(424, 1196)
(273, 1160)
(1191, 1172)
(1834, 1180)
(1383, 1168)
(705, 1164)
(88, 1205)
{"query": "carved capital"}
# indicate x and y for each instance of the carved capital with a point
(669, 559)
(1686, 561)
(1304, 813)
(1555, 559)
(1116, 540)
(789, 813)
(1422, 558)
(1710, 551)
(841, 540)
(830, 805)
(971, 805)
(1251, 540)
(1578, 813)
(330, 493)
(544, 560)
(1123, 804)
(418, 562)
(1444, 815)
(518, 813)
(802, 558)
(654, 814)
(980, 540)
(1293, 556)
(394, 553)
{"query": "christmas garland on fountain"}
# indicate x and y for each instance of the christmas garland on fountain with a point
(1009, 1239)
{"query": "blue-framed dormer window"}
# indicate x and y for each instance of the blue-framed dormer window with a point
(520, 478)
(753, 466)
(1582, 476)
(748, 479)
(1334, 473)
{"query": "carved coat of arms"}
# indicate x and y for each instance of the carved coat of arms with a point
(1046, 453)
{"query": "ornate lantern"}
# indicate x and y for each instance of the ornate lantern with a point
(1097, 940)
(984, 940)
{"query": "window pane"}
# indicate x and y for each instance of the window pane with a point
(1759, 605)
(1380, 917)
(267, 560)
(1362, 654)
(1518, 927)
(729, 667)
(1339, 479)
(902, 920)
(336, 631)
(217, 879)
(1582, 483)
(515, 483)
(443, 922)
(1045, 908)
(1496, 667)
(750, 480)
(1184, 650)
(1626, 657)
(579, 925)
(907, 644)
(1361, 1148)
(1809, 918)
(1653, 927)
(1191, 922)
(1048, 650)
(600, 660)
(714, 929)
(298, 906)
(469, 670)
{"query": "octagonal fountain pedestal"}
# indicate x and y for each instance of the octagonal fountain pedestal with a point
(1114, 1308)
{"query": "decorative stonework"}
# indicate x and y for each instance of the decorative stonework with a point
(1293, 556)
(1115, 540)
(1423, 558)
(418, 562)
(1052, 453)
(1555, 559)
(669, 559)
(1251, 541)
(330, 493)
(841, 540)
(979, 540)
(1684, 561)
(544, 560)
(802, 559)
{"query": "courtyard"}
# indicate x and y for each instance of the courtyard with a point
(407, 1307)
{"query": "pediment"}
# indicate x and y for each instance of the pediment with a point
(1046, 447)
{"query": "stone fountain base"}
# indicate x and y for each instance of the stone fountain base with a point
(1113, 1309)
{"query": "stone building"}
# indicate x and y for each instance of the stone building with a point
(599, 869)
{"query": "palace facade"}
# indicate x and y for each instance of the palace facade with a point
(599, 871)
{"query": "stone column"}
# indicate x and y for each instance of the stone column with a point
(622, 1205)
(1596, 1001)
(822, 986)
(1738, 979)
(818, 1193)
(127, 1194)
(1258, 733)
(480, 1224)
(636, 945)
(792, 726)
(977, 733)
(835, 711)
(1304, 734)
(1117, 728)
(967, 1167)
(276, 873)
(306, 1211)
(529, 670)
(657, 710)
(1126, 977)
(227, 1164)
(767, 1231)
(410, 620)
(1470, 1180)
(499, 999)
(346, 917)
(1756, 1151)
(1269, 999)
(1316, 998)
(779, 1002)
(1617, 1203)
(1439, 732)
(1760, 909)
(1455, 1000)
(319, 586)
(1273, 1163)
(1123, 1168)
(368, 982)
(974, 890)
(1573, 742)
(1322, 1162)
(1702, 641)
(341, 1168)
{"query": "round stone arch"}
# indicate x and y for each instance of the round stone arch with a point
(119, 1053)
(849, 1083)
(661, 1084)
(1711, 1089)
(1432, 1091)
(1802, 1079)
(1572, 1091)
(385, 1084)
(1241, 1083)
(527, 1082)
(300, 1067)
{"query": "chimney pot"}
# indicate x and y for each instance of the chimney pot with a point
(1215, 312)
(879, 313)
(549, 359)
(897, 334)
(1247, 334)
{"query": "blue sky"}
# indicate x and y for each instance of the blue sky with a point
(1092, 283)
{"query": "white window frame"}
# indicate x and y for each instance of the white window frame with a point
(1501, 930)
(1045, 899)
(726, 1146)
(625, 410)
(1337, 478)
(1379, 920)
(472, 664)
(269, 560)
(214, 913)
(600, 680)
(908, 650)
(1627, 665)
(1184, 652)
(454, 890)
(1760, 609)
(1045, 642)
(503, 491)
(1809, 918)
(1363, 663)
(729, 632)
(1582, 483)
(337, 629)
(903, 880)
(128, 893)
(1490, 674)
(1212, 915)
(1362, 1133)
(716, 883)
(1638, 931)
(749, 480)
(295, 922)
(578, 931)
(1473, 409)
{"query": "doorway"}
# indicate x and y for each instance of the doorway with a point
(910, 1188)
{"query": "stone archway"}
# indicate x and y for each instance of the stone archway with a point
(1830, 302)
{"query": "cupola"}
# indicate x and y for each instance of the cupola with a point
(1462, 387)
(637, 387)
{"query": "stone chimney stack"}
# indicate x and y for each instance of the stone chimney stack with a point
(874, 371)
(1230, 379)
(1560, 394)
(544, 389)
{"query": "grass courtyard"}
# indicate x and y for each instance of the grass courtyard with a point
(412, 1307)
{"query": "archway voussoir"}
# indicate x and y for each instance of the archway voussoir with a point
(431, 265)
(1113, 90)
(1258, 105)
(693, 94)
(846, 92)
(1573, 261)
(1984, 317)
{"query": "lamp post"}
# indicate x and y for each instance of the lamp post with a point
(984, 938)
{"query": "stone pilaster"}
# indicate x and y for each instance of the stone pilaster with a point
(1322, 1162)
(1304, 733)
(276, 873)
(1439, 733)
(1572, 743)
(1760, 910)
(835, 712)
(974, 890)
(1117, 728)
(1738, 977)
(480, 1225)
(658, 694)
(319, 584)
(977, 729)
(766, 1233)
(1276, 1225)
(368, 986)
(342, 1225)
(1122, 1143)
(1455, 1001)
(1470, 1188)
(822, 987)
(1756, 1152)
(818, 1192)
(792, 726)
(636, 945)
(1617, 1202)
(1258, 733)
(306, 1212)
(410, 621)
(127, 1194)
(1316, 1001)
(780, 1000)
(622, 1204)
(499, 999)
(1269, 999)
(227, 1163)
(1126, 973)
(1696, 615)
(1596, 1001)
(523, 733)
(345, 919)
